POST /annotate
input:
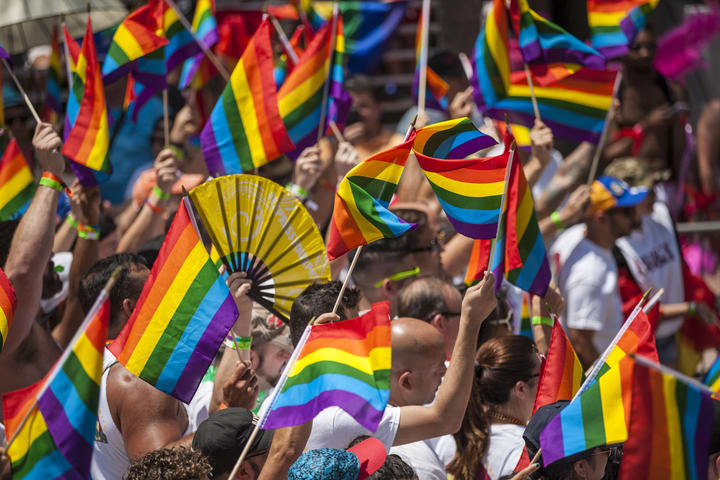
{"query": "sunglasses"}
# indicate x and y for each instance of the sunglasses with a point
(396, 277)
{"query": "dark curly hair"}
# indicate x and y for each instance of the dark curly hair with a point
(316, 299)
(170, 464)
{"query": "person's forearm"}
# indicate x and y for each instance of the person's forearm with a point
(28, 259)
(141, 230)
(571, 173)
(64, 238)
(456, 255)
(287, 445)
(584, 347)
(674, 310)
(533, 170)
(541, 334)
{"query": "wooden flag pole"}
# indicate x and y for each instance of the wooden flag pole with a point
(22, 91)
(503, 201)
(603, 136)
(422, 81)
(326, 87)
(166, 117)
(283, 39)
(655, 299)
(336, 132)
(532, 91)
(211, 56)
(347, 279)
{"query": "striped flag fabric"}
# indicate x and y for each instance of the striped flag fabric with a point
(519, 253)
(245, 129)
(182, 316)
(436, 88)
(52, 106)
(181, 45)
(361, 212)
(562, 373)
(469, 190)
(57, 439)
(339, 99)
(8, 303)
(574, 107)
(614, 24)
(671, 425)
(205, 28)
(285, 64)
(344, 364)
(712, 378)
(550, 51)
(16, 181)
(88, 141)
(525, 327)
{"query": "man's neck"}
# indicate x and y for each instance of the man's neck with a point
(600, 238)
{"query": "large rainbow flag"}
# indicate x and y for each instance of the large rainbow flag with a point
(57, 439)
(469, 190)
(88, 139)
(562, 373)
(343, 364)
(519, 253)
(52, 106)
(8, 303)
(16, 181)
(436, 88)
(245, 129)
(361, 214)
(550, 51)
(614, 24)
(574, 107)
(205, 28)
(184, 312)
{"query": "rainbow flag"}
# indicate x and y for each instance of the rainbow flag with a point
(614, 24)
(712, 379)
(670, 429)
(549, 50)
(469, 190)
(88, 140)
(205, 28)
(52, 106)
(339, 99)
(525, 327)
(436, 88)
(8, 303)
(285, 64)
(519, 253)
(16, 181)
(562, 373)
(600, 415)
(57, 439)
(361, 213)
(181, 45)
(139, 34)
(342, 364)
(183, 314)
(245, 129)
(574, 107)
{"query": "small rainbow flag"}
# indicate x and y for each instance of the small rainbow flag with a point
(436, 88)
(614, 24)
(183, 314)
(16, 181)
(361, 214)
(342, 364)
(8, 303)
(285, 64)
(53, 105)
(469, 190)
(550, 51)
(519, 253)
(181, 45)
(89, 139)
(57, 439)
(671, 425)
(139, 34)
(245, 129)
(205, 28)
(712, 379)
(525, 327)
(339, 99)
(562, 373)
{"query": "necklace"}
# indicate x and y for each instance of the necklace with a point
(505, 418)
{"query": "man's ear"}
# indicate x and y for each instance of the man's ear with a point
(254, 359)
(405, 380)
(389, 288)
(582, 468)
(128, 305)
(437, 321)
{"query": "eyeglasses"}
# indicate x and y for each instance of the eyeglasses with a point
(396, 277)
(605, 451)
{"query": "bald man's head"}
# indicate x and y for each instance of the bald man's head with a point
(418, 362)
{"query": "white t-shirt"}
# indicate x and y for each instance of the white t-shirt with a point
(333, 428)
(421, 456)
(588, 280)
(506, 447)
(653, 257)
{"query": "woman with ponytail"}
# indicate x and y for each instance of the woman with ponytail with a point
(503, 393)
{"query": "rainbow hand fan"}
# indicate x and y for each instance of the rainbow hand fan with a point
(258, 227)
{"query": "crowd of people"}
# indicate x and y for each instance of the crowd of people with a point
(464, 376)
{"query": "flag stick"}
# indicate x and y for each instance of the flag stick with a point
(166, 117)
(326, 87)
(422, 81)
(283, 39)
(211, 56)
(68, 67)
(655, 299)
(532, 92)
(603, 136)
(66, 353)
(503, 201)
(336, 132)
(603, 358)
(674, 373)
(22, 91)
(347, 279)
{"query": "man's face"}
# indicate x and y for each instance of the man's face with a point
(367, 108)
(642, 52)
(271, 363)
(623, 221)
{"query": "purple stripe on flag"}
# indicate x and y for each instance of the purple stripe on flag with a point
(211, 151)
(118, 73)
(703, 434)
(205, 350)
(354, 405)
(613, 51)
(471, 146)
(474, 231)
(542, 279)
(558, 129)
(181, 54)
(3, 53)
(84, 174)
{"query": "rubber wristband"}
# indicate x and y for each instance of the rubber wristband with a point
(89, 235)
(555, 217)
(538, 320)
(72, 222)
(178, 151)
(51, 181)
(155, 208)
(160, 193)
(88, 228)
(296, 190)
(692, 309)
(243, 343)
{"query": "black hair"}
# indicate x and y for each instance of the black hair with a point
(393, 468)
(423, 298)
(7, 232)
(316, 299)
(446, 64)
(362, 84)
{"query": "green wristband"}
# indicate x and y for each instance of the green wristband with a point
(296, 190)
(88, 235)
(49, 182)
(538, 320)
(72, 222)
(692, 309)
(555, 217)
(160, 193)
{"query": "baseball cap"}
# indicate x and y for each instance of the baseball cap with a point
(609, 192)
(222, 437)
(537, 423)
(357, 462)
